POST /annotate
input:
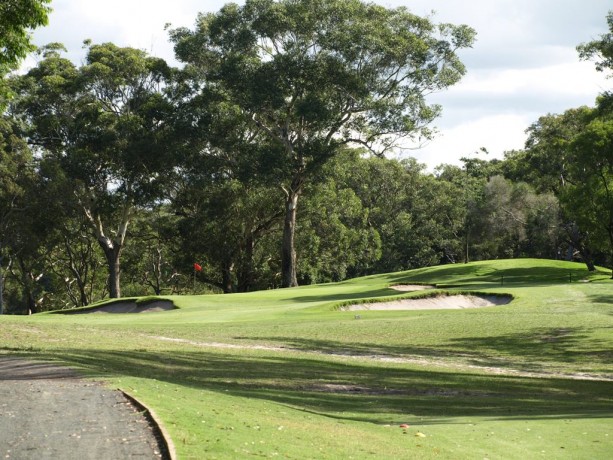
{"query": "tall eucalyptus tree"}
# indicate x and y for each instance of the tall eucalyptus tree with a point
(315, 75)
(105, 125)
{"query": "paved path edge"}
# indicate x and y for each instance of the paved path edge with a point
(160, 432)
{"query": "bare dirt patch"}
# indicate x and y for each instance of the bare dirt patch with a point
(129, 307)
(433, 303)
(357, 389)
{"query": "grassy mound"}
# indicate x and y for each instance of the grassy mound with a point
(286, 374)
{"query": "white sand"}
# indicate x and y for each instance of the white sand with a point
(411, 287)
(433, 303)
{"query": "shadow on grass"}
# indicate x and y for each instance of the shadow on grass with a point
(385, 292)
(486, 276)
(601, 298)
(467, 276)
(556, 345)
(353, 390)
(526, 351)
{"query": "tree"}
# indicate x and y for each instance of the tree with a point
(148, 260)
(106, 126)
(17, 18)
(388, 190)
(591, 197)
(514, 221)
(314, 76)
(601, 49)
(224, 196)
(15, 172)
(222, 223)
(336, 239)
(548, 164)
(466, 185)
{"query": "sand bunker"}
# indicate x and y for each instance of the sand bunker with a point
(434, 303)
(411, 287)
(130, 307)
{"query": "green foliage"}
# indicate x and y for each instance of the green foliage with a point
(512, 220)
(312, 77)
(250, 144)
(227, 224)
(15, 182)
(106, 127)
(546, 160)
(335, 239)
(17, 19)
(149, 262)
(601, 49)
(591, 198)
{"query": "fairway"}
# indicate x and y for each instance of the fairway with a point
(290, 374)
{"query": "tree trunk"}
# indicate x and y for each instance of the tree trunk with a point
(76, 268)
(3, 272)
(610, 231)
(1, 288)
(577, 240)
(227, 267)
(112, 252)
(245, 272)
(288, 251)
(30, 302)
(111, 247)
(586, 255)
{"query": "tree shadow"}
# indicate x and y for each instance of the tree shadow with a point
(16, 369)
(542, 345)
(379, 292)
(459, 276)
(351, 389)
(601, 298)
(485, 276)
(525, 351)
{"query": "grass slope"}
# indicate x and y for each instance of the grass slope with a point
(284, 374)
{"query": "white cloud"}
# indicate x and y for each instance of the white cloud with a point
(497, 133)
(567, 78)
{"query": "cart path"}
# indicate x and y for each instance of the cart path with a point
(47, 412)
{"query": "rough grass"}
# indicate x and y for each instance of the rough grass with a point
(283, 374)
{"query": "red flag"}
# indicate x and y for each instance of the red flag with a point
(197, 267)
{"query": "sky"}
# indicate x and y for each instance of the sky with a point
(523, 64)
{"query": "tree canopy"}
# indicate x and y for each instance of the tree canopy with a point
(106, 127)
(17, 19)
(124, 166)
(314, 76)
(601, 49)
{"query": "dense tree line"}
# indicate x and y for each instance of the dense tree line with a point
(261, 162)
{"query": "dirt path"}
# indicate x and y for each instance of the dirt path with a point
(47, 413)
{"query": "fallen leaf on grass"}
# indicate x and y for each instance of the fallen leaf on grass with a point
(419, 434)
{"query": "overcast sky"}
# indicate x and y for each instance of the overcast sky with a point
(523, 64)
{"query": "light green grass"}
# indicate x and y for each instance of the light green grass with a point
(304, 380)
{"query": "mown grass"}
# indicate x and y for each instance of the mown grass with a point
(283, 374)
